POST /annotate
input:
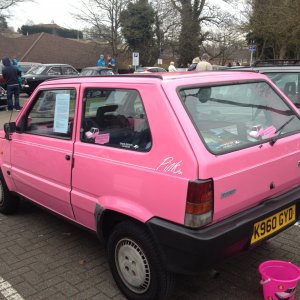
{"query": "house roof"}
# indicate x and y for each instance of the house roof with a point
(49, 48)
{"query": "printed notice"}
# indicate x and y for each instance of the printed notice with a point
(102, 138)
(61, 114)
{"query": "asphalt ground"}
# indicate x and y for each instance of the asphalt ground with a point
(45, 257)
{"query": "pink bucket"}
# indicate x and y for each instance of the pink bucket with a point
(279, 279)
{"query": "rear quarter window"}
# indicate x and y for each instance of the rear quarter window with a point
(232, 117)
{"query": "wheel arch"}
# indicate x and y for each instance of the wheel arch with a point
(107, 219)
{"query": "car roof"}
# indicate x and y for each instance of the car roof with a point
(56, 65)
(265, 69)
(177, 78)
(279, 69)
(97, 68)
(29, 62)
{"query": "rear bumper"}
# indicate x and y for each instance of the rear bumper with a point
(188, 251)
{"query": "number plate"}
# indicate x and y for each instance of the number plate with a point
(274, 223)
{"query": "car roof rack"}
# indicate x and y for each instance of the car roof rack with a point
(276, 62)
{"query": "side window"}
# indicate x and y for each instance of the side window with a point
(52, 114)
(115, 118)
(69, 71)
(288, 83)
(54, 71)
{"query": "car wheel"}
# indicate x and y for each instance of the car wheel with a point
(136, 265)
(8, 202)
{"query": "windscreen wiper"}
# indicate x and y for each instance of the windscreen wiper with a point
(279, 130)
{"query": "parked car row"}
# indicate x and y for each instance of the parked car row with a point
(285, 76)
(50, 71)
(35, 73)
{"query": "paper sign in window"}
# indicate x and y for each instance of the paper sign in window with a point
(61, 114)
(102, 138)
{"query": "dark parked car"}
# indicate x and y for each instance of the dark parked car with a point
(2, 82)
(3, 97)
(284, 73)
(43, 72)
(96, 71)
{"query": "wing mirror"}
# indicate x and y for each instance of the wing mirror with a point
(9, 128)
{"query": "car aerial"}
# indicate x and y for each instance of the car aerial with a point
(96, 71)
(284, 73)
(149, 70)
(44, 72)
(173, 172)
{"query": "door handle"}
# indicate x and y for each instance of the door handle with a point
(68, 157)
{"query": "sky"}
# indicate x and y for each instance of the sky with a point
(45, 11)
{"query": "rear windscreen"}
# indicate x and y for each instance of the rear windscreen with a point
(231, 117)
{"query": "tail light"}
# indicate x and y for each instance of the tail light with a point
(199, 203)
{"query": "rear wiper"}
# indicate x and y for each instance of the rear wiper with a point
(279, 130)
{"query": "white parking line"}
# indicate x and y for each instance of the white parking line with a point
(297, 224)
(8, 291)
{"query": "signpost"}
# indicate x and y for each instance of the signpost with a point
(135, 58)
(252, 49)
(159, 61)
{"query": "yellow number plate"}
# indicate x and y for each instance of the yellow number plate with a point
(274, 223)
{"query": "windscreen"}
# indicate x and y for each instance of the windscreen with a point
(232, 117)
(37, 70)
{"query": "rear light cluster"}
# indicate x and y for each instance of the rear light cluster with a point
(199, 203)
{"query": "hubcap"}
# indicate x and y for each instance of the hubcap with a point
(133, 266)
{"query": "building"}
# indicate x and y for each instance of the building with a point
(50, 48)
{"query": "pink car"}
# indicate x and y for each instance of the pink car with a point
(173, 180)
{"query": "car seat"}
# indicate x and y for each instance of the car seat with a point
(107, 119)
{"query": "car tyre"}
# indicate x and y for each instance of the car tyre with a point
(9, 203)
(136, 265)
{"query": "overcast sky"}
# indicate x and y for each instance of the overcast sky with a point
(45, 11)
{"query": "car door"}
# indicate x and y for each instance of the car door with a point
(42, 149)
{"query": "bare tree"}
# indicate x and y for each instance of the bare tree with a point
(103, 16)
(225, 36)
(5, 4)
(197, 17)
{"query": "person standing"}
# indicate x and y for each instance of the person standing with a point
(172, 67)
(10, 74)
(193, 65)
(111, 63)
(101, 61)
(204, 64)
(16, 63)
